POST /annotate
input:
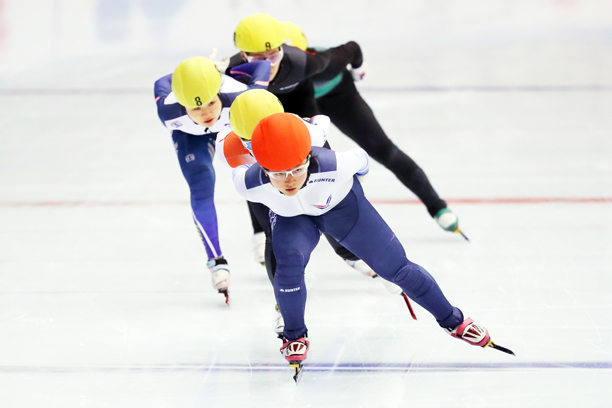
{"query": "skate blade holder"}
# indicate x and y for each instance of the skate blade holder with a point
(225, 292)
(500, 348)
(297, 371)
(458, 231)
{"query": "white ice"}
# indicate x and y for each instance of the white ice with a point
(105, 300)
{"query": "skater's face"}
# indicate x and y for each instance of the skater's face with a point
(208, 114)
(274, 56)
(291, 180)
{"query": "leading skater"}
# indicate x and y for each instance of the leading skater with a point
(234, 149)
(311, 190)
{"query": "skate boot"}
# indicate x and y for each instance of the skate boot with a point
(449, 221)
(258, 241)
(471, 333)
(295, 352)
(362, 267)
(279, 324)
(220, 275)
(475, 335)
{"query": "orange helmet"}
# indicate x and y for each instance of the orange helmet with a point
(281, 142)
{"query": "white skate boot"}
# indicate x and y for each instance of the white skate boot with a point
(258, 242)
(362, 267)
(220, 274)
(447, 220)
(279, 324)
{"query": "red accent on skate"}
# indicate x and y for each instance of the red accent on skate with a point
(295, 350)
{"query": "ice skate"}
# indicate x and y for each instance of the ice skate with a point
(258, 242)
(449, 221)
(279, 324)
(220, 275)
(295, 352)
(475, 335)
(362, 267)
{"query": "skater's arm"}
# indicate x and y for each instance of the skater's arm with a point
(316, 63)
(318, 126)
(353, 162)
(231, 151)
(339, 57)
(238, 177)
(255, 74)
(161, 90)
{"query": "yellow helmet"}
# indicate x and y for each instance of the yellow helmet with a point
(295, 34)
(196, 81)
(249, 108)
(258, 33)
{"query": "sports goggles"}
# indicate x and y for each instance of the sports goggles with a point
(246, 143)
(274, 58)
(295, 172)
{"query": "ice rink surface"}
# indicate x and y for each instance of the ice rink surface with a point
(105, 300)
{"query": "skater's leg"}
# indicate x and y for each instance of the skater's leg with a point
(341, 251)
(294, 238)
(350, 113)
(257, 227)
(262, 215)
(359, 227)
(194, 155)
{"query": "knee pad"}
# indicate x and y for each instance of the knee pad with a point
(289, 258)
(414, 277)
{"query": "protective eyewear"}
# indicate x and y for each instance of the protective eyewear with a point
(273, 58)
(246, 143)
(295, 172)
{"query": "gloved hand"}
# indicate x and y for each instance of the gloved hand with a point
(357, 73)
(322, 121)
(223, 64)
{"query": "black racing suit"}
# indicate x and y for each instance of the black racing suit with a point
(292, 84)
(339, 99)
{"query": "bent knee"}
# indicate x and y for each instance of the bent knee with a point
(289, 257)
(415, 277)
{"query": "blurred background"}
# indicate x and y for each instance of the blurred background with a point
(105, 299)
(126, 44)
